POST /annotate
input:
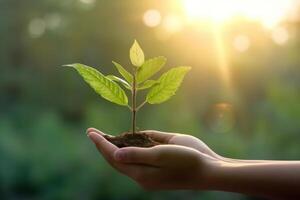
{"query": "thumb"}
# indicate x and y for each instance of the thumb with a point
(104, 147)
(148, 156)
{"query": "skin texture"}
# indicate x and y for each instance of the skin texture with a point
(185, 162)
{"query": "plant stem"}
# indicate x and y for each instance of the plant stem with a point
(129, 107)
(134, 110)
(140, 106)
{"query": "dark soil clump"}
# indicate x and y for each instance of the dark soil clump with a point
(129, 139)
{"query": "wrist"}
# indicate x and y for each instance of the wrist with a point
(225, 175)
(211, 173)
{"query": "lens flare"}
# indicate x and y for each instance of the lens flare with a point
(220, 117)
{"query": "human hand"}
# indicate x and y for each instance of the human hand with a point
(186, 163)
(183, 164)
(182, 140)
(175, 138)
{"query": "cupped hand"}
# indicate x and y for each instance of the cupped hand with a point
(175, 138)
(183, 164)
(182, 140)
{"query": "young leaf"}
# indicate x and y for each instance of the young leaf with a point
(123, 72)
(105, 87)
(147, 84)
(169, 83)
(136, 54)
(149, 68)
(117, 79)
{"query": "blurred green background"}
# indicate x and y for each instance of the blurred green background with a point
(241, 98)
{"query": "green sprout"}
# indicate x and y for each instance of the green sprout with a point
(160, 90)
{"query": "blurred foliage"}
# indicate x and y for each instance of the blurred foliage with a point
(45, 109)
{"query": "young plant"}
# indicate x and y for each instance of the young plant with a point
(109, 88)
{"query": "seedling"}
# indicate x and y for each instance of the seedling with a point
(160, 90)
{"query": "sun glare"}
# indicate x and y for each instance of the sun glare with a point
(268, 12)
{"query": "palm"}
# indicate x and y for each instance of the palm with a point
(177, 139)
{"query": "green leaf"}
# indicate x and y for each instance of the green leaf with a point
(149, 68)
(136, 54)
(169, 82)
(117, 79)
(123, 72)
(105, 87)
(147, 84)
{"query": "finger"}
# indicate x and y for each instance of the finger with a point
(97, 131)
(106, 148)
(140, 173)
(159, 136)
(136, 155)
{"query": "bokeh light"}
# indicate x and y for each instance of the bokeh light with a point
(53, 21)
(88, 1)
(172, 23)
(87, 4)
(36, 27)
(280, 35)
(241, 43)
(152, 18)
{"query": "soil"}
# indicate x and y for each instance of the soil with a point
(132, 139)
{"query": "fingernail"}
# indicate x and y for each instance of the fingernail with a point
(89, 135)
(120, 155)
